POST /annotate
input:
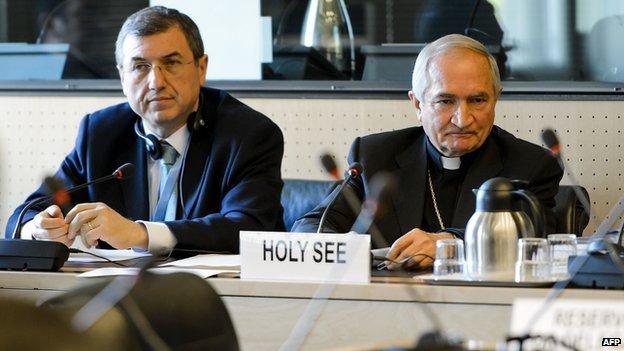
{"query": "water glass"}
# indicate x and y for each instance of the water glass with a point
(562, 246)
(449, 257)
(533, 260)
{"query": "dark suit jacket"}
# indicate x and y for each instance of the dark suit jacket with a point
(403, 154)
(230, 182)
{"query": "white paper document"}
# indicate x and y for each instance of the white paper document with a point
(113, 255)
(113, 271)
(207, 261)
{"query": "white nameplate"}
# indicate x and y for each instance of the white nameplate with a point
(586, 324)
(343, 258)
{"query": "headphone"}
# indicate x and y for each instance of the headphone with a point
(154, 149)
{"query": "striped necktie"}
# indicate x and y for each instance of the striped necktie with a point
(169, 157)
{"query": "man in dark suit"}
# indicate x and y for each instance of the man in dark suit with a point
(207, 166)
(455, 86)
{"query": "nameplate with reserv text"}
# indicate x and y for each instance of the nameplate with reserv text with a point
(585, 324)
(335, 258)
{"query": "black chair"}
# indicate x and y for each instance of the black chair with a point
(177, 311)
(299, 196)
(569, 212)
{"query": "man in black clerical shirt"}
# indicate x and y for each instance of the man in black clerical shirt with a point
(455, 87)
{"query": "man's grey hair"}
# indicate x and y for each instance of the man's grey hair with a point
(158, 19)
(421, 77)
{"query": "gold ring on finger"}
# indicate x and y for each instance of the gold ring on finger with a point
(90, 226)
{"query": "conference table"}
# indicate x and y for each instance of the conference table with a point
(387, 311)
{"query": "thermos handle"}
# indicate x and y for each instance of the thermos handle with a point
(536, 210)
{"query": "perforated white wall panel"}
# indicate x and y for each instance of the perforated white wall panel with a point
(36, 132)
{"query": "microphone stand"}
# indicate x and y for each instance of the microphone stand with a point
(354, 171)
(433, 340)
(61, 194)
(551, 141)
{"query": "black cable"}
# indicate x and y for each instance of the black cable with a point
(619, 239)
(200, 251)
(477, 30)
(471, 19)
(354, 203)
(74, 250)
(44, 26)
(402, 263)
(289, 8)
(469, 27)
(522, 339)
(183, 165)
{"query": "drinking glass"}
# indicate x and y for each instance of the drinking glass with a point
(562, 246)
(449, 257)
(533, 260)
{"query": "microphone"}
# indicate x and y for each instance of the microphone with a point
(552, 143)
(41, 255)
(354, 171)
(550, 139)
(60, 195)
(330, 166)
(380, 185)
(125, 171)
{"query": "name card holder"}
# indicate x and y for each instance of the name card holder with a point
(331, 258)
(585, 323)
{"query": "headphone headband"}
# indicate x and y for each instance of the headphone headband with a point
(154, 149)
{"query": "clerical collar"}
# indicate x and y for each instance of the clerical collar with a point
(452, 163)
(440, 161)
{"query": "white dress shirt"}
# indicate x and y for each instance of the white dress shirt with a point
(161, 240)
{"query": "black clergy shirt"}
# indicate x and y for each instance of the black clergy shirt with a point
(447, 184)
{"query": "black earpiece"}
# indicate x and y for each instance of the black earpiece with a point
(197, 117)
(153, 144)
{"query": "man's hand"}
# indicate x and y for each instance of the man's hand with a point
(48, 225)
(416, 249)
(98, 221)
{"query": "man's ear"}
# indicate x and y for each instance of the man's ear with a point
(203, 68)
(415, 102)
(122, 78)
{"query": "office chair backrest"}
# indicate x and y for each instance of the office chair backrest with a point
(570, 215)
(181, 308)
(300, 196)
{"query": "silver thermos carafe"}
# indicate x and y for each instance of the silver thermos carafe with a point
(492, 232)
